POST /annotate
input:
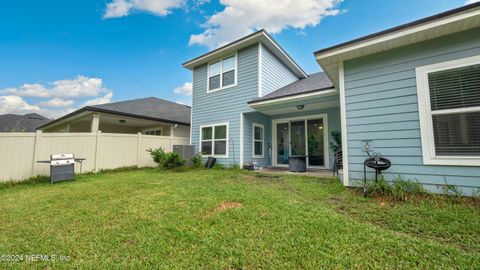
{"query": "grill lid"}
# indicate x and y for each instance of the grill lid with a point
(62, 156)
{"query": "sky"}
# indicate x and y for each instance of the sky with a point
(58, 56)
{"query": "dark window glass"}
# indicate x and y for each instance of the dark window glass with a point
(214, 82)
(457, 134)
(220, 132)
(207, 148)
(258, 148)
(220, 147)
(455, 88)
(228, 78)
(207, 133)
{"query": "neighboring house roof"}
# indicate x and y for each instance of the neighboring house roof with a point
(150, 108)
(254, 38)
(313, 83)
(22, 123)
(449, 22)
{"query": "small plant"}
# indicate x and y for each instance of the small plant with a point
(218, 166)
(451, 190)
(167, 160)
(197, 161)
(235, 167)
(399, 190)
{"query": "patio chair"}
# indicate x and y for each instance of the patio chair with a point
(338, 162)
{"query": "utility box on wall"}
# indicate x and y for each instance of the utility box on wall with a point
(186, 152)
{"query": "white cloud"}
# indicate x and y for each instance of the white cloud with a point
(56, 98)
(121, 8)
(468, 2)
(185, 89)
(28, 90)
(81, 86)
(57, 102)
(242, 17)
(16, 105)
(100, 100)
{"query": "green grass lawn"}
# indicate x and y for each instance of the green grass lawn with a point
(228, 219)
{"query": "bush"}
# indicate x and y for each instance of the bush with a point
(197, 161)
(167, 160)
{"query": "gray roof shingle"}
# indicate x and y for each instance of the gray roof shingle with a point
(150, 107)
(22, 123)
(314, 82)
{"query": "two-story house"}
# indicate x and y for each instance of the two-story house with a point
(411, 93)
(252, 102)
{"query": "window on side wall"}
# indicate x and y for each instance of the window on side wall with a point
(449, 110)
(258, 140)
(222, 74)
(153, 132)
(214, 140)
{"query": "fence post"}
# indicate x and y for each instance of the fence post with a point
(38, 136)
(139, 138)
(97, 150)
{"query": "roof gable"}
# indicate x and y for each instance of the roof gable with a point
(259, 36)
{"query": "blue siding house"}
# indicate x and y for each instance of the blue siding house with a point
(410, 93)
(253, 104)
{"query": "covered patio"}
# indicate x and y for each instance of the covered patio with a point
(294, 121)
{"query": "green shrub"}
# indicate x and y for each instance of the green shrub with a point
(158, 155)
(197, 161)
(218, 166)
(167, 160)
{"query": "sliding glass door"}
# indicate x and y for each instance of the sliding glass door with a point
(300, 137)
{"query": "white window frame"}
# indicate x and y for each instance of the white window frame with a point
(254, 140)
(235, 55)
(426, 114)
(153, 129)
(213, 139)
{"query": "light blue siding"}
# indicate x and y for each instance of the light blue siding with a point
(382, 105)
(225, 105)
(266, 121)
(274, 73)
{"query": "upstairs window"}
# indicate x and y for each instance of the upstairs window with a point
(214, 140)
(449, 103)
(222, 74)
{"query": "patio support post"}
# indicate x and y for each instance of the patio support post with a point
(95, 123)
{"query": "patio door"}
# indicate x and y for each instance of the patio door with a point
(304, 136)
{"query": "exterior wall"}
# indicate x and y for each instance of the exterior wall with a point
(333, 117)
(266, 121)
(382, 106)
(274, 73)
(225, 105)
(21, 151)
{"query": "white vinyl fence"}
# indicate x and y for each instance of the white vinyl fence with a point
(19, 152)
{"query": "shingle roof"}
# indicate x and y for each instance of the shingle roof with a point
(150, 108)
(21, 123)
(314, 82)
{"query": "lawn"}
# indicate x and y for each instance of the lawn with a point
(228, 219)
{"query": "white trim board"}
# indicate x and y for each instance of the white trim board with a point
(343, 124)
(425, 114)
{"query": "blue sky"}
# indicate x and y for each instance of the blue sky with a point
(57, 56)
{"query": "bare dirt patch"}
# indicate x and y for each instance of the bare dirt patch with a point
(224, 207)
